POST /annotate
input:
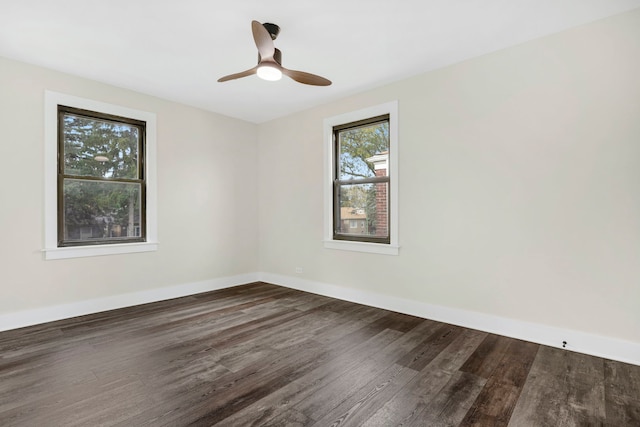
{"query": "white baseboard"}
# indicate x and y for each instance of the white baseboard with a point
(581, 342)
(65, 311)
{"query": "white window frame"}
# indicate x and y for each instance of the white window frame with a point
(51, 249)
(390, 108)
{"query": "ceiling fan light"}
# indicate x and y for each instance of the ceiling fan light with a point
(269, 72)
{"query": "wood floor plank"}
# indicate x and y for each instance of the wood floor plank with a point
(289, 418)
(622, 411)
(310, 386)
(408, 404)
(354, 410)
(450, 406)
(573, 368)
(209, 402)
(342, 388)
(264, 355)
(562, 389)
(458, 352)
(507, 373)
(407, 407)
(515, 364)
(621, 379)
(493, 406)
(487, 356)
(431, 347)
(373, 364)
(622, 393)
(107, 400)
(349, 322)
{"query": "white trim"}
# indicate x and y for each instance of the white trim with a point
(578, 341)
(99, 250)
(582, 342)
(65, 311)
(51, 251)
(390, 108)
(372, 248)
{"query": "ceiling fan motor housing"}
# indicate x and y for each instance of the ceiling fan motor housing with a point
(273, 30)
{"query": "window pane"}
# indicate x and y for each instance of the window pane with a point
(101, 210)
(364, 151)
(100, 148)
(364, 210)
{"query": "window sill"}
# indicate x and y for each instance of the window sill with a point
(98, 250)
(374, 248)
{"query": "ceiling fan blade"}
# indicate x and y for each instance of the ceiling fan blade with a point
(238, 75)
(263, 40)
(306, 78)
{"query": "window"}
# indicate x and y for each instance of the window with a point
(100, 194)
(101, 183)
(361, 180)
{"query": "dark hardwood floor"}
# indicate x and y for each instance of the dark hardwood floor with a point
(263, 355)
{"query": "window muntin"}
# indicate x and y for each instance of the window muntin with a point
(361, 180)
(101, 180)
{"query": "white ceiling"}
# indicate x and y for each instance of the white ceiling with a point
(178, 49)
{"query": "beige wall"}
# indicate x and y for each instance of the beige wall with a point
(207, 198)
(519, 183)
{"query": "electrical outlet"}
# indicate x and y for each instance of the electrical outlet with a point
(298, 270)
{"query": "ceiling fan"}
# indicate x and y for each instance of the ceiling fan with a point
(270, 59)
